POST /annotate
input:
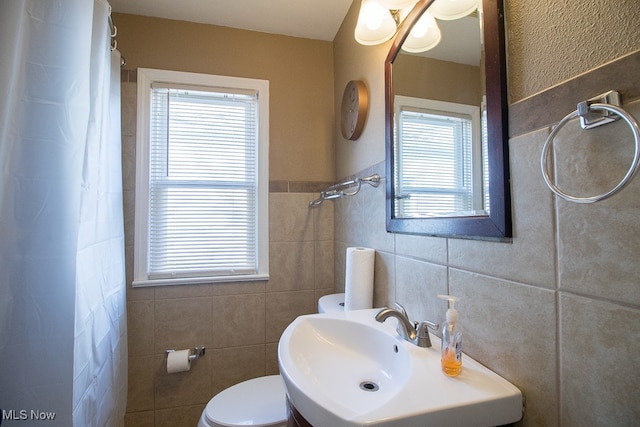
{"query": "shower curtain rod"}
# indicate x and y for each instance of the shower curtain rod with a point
(113, 32)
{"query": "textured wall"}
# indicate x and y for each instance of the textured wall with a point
(552, 41)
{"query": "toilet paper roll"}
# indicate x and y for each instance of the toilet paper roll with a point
(178, 361)
(358, 281)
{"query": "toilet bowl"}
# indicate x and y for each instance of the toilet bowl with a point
(258, 402)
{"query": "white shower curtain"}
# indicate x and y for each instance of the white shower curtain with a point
(62, 286)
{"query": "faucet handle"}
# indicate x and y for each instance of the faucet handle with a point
(427, 324)
(402, 310)
(423, 339)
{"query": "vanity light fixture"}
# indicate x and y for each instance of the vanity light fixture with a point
(378, 21)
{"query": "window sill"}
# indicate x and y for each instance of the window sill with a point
(198, 280)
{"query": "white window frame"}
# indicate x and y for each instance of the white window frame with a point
(444, 108)
(146, 78)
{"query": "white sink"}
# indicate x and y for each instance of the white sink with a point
(347, 369)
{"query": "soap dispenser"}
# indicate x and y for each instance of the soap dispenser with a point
(451, 340)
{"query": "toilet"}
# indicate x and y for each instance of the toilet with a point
(331, 303)
(259, 402)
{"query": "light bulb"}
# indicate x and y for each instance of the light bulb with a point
(420, 28)
(375, 24)
(372, 15)
(424, 35)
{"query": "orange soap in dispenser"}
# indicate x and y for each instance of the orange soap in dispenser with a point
(451, 340)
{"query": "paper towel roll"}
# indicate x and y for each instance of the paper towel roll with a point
(178, 361)
(358, 282)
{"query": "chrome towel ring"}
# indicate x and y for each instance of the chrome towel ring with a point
(584, 110)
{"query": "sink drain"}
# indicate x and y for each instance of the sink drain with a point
(369, 386)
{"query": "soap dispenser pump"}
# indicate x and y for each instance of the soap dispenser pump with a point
(451, 340)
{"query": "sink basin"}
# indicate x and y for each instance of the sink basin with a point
(347, 369)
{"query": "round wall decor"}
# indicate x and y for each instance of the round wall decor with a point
(355, 102)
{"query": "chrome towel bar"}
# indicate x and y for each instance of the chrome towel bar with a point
(337, 191)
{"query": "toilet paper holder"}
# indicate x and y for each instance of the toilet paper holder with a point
(194, 353)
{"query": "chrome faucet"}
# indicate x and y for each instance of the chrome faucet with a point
(405, 328)
(416, 333)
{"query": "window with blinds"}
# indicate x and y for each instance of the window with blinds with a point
(485, 159)
(435, 159)
(206, 193)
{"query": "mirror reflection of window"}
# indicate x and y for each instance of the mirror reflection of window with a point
(466, 67)
(485, 157)
(439, 159)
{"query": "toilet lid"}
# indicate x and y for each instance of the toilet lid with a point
(256, 402)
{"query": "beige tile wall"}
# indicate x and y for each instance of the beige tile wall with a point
(239, 323)
(557, 311)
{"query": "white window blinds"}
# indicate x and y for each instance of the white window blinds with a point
(485, 159)
(206, 211)
(203, 180)
(435, 150)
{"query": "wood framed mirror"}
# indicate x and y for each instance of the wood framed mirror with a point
(447, 163)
